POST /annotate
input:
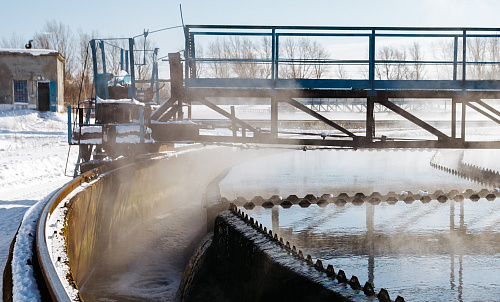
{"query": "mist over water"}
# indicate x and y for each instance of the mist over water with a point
(423, 252)
(334, 172)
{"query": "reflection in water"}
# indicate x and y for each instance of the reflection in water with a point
(370, 211)
(423, 252)
(408, 259)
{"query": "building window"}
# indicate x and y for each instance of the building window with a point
(20, 91)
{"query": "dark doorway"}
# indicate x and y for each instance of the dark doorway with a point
(43, 96)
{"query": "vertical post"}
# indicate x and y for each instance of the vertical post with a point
(193, 56)
(154, 77)
(121, 58)
(276, 58)
(153, 73)
(370, 121)
(464, 58)
(80, 116)
(69, 124)
(94, 63)
(453, 118)
(371, 67)
(274, 115)
(464, 108)
(157, 85)
(141, 124)
(273, 54)
(126, 60)
(455, 58)
(186, 58)
(233, 124)
(274, 99)
(104, 74)
(174, 60)
(132, 67)
(89, 111)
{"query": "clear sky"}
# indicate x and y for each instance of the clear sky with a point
(128, 18)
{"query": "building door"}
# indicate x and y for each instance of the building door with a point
(53, 96)
(43, 96)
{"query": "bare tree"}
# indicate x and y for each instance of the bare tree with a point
(341, 73)
(304, 59)
(218, 50)
(476, 52)
(58, 37)
(494, 56)
(200, 67)
(418, 72)
(144, 59)
(242, 49)
(264, 52)
(84, 73)
(392, 67)
(15, 41)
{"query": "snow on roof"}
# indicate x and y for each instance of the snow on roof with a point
(118, 101)
(34, 52)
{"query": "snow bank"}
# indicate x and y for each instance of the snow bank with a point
(24, 283)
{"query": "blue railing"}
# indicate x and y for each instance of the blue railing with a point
(458, 38)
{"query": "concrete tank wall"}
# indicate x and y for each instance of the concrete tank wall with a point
(242, 264)
(114, 206)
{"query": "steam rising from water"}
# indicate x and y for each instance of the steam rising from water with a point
(148, 260)
(423, 252)
(335, 172)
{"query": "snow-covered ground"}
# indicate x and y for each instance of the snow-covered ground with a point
(33, 153)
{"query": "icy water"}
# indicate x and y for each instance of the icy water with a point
(423, 252)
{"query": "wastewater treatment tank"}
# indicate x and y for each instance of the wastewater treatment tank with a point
(411, 223)
(415, 229)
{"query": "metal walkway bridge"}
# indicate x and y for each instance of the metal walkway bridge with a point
(275, 84)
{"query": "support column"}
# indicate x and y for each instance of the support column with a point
(174, 59)
(132, 67)
(464, 108)
(94, 65)
(274, 116)
(104, 73)
(455, 58)
(453, 118)
(370, 118)
(233, 123)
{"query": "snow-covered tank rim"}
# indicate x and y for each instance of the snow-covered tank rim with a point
(54, 284)
(52, 281)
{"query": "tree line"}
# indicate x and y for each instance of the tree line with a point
(304, 58)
